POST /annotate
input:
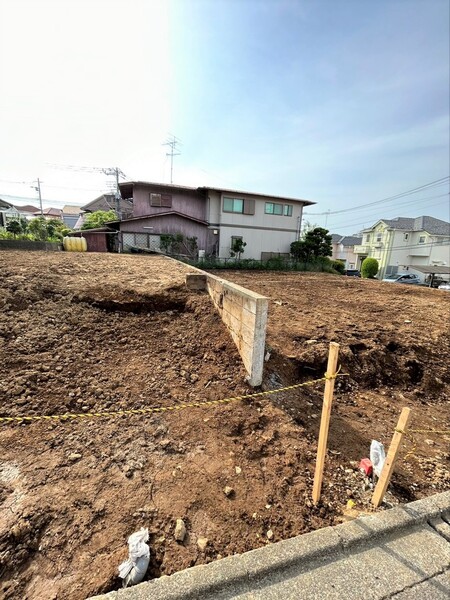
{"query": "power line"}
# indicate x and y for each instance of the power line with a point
(395, 209)
(431, 184)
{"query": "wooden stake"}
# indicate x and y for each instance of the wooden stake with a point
(391, 458)
(325, 421)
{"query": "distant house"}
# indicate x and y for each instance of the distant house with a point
(404, 243)
(27, 211)
(104, 202)
(7, 213)
(343, 249)
(50, 213)
(70, 215)
(214, 216)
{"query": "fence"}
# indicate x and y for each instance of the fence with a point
(29, 245)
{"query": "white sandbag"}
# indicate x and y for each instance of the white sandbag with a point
(133, 569)
(377, 457)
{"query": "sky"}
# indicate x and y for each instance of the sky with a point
(341, 102)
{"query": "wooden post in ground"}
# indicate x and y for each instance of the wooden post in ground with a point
(391, 458)
(325, 420)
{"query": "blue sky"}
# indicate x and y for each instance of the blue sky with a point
(341, 102)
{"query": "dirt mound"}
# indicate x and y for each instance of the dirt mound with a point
(94, 333)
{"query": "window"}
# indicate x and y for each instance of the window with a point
(273, 208)
(405, 237)
(233, 205)
(422, 239)
(379, 237)
(244, 206)
(161, 200)
(368, 237)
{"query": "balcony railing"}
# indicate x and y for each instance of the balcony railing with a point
(361, 249)
(424, 251)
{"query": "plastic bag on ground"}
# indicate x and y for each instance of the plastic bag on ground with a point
(133, 569)
(377, 457)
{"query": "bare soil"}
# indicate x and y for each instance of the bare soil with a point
(91, 332)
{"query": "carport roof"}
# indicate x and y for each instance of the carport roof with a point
(431, 269)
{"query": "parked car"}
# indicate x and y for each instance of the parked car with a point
(352, 273)
(435, 281)
(402, 278)
(444, 286)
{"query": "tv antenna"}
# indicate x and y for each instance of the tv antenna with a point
(172, 142)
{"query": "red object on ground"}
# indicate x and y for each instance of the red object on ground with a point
(366, 466)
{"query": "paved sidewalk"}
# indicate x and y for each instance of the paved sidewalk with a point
(402, 553)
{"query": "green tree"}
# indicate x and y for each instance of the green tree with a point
(98, 219)
(56, 228)
(315, 243)
(17, 226)
(237, 247)
(369, 268)
(38, 229)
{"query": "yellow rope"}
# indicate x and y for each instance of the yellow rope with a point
(146, 411)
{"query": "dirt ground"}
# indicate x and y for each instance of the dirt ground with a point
(89, 332)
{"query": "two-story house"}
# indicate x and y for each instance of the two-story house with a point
(267, 224)
(343, 249)
(403, 243)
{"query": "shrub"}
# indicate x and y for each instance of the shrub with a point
(369, 268)
(338, 266)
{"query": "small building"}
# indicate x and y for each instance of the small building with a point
(101, 239)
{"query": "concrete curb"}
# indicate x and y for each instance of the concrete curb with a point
(238, 573)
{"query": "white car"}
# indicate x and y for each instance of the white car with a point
(444, 286)
(402, 278)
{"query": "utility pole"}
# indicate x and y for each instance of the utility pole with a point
(117, 173)
(38, 189)
(173, 146)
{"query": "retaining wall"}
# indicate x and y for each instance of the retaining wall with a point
(244, 313)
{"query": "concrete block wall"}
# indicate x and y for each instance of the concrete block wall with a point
(245, 315)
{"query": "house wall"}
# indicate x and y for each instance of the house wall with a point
(345, 253)
(191, 203)
(260, 231)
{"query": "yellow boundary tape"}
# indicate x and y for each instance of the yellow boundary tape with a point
(147, 411)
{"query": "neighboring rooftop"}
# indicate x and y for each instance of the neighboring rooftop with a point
(26, 208)
(52, 212)
(345, 240)
(108, 202)
(127, 189)
(68, 209)
(424, 223)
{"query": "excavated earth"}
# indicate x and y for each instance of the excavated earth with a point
(85, 333)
